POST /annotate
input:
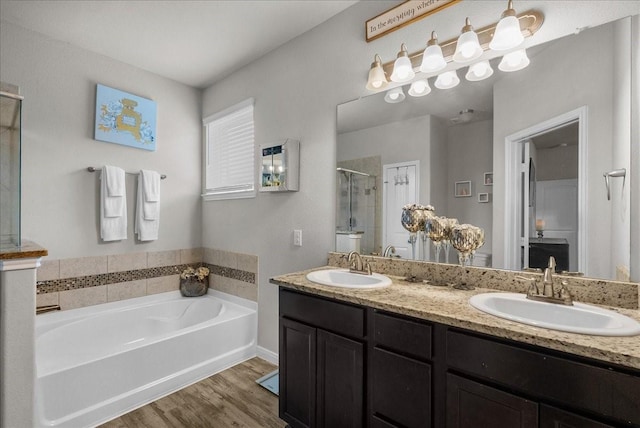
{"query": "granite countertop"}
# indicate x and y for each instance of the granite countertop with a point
(449, 306)
(27, 250)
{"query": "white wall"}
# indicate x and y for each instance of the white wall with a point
(297, 88)
(59, 197)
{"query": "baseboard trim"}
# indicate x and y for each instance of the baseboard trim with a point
(267, 355)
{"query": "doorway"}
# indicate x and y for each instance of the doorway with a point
(544, 201)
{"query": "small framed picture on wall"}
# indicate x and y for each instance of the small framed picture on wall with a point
(462, 189)
(488, 178)
(483, 198)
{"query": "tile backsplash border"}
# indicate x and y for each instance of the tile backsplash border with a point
(86, 281)
(586, 290)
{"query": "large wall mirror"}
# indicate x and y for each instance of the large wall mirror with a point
(521, 155)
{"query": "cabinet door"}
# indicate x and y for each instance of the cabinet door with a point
(550, 417)
(297, 373)
(340, 381)
(400, 389)
(472, 405)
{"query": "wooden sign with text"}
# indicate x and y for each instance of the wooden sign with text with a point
(403, 14)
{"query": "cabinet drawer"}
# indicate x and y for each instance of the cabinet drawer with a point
(550, 417)
(400, 389)
(402, 335)
(577, 384)
(341, 318)
(473, 405)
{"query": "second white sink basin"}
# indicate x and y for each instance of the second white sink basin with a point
(579, 318)
(344, 278)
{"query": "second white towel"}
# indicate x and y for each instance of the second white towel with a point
(113, 204)
(147, 222)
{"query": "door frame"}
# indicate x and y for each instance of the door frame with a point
(511, 185)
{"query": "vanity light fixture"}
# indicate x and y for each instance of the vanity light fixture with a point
(377, 78)
(419, 88)
(432, 58)
(468, 47)
(479, 71)
(447, 80)
(514, 61)
(507, 35)
(395, 95)
(402, 68)
(529, 22)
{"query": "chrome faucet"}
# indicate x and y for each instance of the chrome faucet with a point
(547, 277)
(549, 294)
(356, 265)
(389, 251)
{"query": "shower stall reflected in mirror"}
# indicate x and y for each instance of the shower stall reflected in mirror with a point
(356, 211)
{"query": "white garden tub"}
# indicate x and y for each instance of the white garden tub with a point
(98, 362)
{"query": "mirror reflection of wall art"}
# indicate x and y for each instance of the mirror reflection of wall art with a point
(483, 198)
(463, 189)
(126, 119)
(488, 178)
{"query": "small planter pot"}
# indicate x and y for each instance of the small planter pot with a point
(194, 287)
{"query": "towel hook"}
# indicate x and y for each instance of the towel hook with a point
(622, 172)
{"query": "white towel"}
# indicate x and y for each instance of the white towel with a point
(147, 219)
(113, 190)
(113, 209)
(151, 194)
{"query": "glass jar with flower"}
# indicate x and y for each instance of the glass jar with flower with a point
(194, 282)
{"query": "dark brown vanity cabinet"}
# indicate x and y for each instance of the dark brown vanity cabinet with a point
(321, 362)
(344, 365)
(400, 379)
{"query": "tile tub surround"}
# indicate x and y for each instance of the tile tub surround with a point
(586, 290)
(451, 307)
(86, 281)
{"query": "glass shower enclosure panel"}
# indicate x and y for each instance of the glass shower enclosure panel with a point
(10, 147)
(356, 207)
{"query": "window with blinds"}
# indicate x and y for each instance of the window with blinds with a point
(230, 153)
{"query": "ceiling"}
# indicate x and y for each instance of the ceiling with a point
(192, 42)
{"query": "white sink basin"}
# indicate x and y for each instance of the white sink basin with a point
(579, 318)
(346, 279)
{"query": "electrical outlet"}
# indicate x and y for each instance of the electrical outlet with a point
(297, 237)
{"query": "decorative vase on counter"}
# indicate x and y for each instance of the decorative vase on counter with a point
(194, 282)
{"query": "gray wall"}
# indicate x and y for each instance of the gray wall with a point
(59, 197)
(297, 88)
(537, 94)
(469, 157)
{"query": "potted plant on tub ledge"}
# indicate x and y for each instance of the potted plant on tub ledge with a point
(194, 282)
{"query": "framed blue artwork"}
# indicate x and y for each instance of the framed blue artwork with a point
(126, 119)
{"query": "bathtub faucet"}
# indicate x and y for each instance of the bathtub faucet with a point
(47, 308)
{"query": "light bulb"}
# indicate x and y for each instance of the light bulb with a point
(395, 95)
(507, 34)
(447, 80)
(467, 47)
(432, 59)
(514, 61)
(479, 71)
(377, 78)
(419, 88)
(402, 68)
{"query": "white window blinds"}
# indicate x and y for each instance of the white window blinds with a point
(230, 153)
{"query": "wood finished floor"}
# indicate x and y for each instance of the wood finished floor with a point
(231, 398)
